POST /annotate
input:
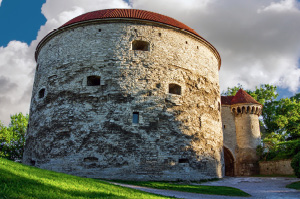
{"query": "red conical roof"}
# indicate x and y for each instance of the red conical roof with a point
(242, 97)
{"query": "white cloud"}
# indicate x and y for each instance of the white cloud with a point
(282, 6)
(17, 64)
(258, 41)
(16, 78)
(255, 47)
(0, 2)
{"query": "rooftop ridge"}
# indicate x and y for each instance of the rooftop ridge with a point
(241, 97)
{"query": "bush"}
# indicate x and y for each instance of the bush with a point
(279, 150)
(296, 164)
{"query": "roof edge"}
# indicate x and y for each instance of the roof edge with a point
(106, 20)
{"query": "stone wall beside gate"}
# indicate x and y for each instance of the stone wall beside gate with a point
(277, 167)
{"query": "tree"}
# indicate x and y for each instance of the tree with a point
(12, 138)
(287, 118)
(265, 93)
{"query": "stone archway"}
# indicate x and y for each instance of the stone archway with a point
(229, 162)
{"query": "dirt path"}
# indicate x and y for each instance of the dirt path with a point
(261, 188)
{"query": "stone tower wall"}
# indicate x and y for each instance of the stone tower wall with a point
(248, 138)
(89, 131)
(228, 122)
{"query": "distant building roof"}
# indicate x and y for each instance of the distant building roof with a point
(241, 97)
(226, 100)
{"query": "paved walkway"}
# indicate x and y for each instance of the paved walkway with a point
(257, 187)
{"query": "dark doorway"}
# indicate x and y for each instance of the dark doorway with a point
(229, 162)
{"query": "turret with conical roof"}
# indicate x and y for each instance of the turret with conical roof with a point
(242, 102)
(241, 121)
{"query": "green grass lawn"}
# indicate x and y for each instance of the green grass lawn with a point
(202, 189)
(25, 182)
(294, 185)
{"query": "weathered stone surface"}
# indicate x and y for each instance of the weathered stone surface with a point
(276, 167)
(89, 130)
(241, 138)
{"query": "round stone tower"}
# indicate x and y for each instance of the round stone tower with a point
(246, 110)
(126, 94)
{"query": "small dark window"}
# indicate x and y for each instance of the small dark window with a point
(186, 42)
(135, 30)
(175, 89)
(93, 80)
(42, 93)
(99, 30)
(159, 34)
(140, 45)
(32, 162)
(224, 126)
(135, 117)
(197, 47)
(183, 160)
(90, 159)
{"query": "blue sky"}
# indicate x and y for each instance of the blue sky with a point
(22, 18)
(258, 40)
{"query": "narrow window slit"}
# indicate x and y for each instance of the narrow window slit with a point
(183, 160)
(42, 93)
(135, 118)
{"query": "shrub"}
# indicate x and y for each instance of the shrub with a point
(296, 164)
(279, 150)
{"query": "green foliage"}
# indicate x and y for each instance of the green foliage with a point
(295, 164)
(12, 138)
(294, 185)
(232, 91)
(202, 189)
(283, 117)
(277, 150)
(21, 181)
(265, 93)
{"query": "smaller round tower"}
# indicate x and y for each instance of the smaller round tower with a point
(246, 111)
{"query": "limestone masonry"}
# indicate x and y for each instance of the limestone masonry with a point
(131, 94)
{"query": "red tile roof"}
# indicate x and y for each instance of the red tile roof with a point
(226, 100)
(241, 97)
(130, 13)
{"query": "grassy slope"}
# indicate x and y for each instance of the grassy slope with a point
(21, 181)
(202, 189)
(294, 185)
